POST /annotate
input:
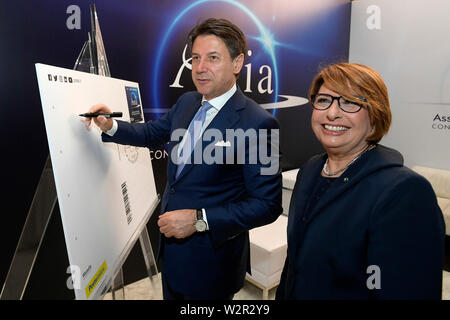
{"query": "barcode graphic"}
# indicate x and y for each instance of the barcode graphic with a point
(126, 201)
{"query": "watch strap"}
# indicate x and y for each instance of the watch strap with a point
(199, 214)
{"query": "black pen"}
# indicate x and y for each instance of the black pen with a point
(106, 115)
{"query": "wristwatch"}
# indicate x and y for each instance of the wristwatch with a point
(200, 224)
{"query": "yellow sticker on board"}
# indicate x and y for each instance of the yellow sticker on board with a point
(96, 279)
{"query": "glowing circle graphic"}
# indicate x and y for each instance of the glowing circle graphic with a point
(266, 39)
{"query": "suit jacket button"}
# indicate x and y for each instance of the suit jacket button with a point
(172, 190)
(304, 219)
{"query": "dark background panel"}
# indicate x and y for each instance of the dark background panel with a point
(307, 35)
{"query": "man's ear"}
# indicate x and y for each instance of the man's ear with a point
(238, 62)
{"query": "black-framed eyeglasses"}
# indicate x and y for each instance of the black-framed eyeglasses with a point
(323, 101)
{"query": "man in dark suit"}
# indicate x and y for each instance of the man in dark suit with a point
(210, 204)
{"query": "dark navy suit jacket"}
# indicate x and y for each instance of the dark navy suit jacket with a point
(377, 214)
(235, 195)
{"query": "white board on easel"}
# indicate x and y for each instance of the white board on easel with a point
(106, 192)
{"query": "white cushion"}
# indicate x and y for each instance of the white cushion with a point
(289, 178)
(264, 280)
(286, 195)
(444, 204)
(439, 179)
(268, 245)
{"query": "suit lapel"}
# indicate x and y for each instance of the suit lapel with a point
(347, 180)
(334, 190)
(304, 194)
(371, 161)
(185, 118)
(227, 118)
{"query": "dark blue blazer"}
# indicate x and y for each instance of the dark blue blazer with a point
(235, 195)
(377, 213)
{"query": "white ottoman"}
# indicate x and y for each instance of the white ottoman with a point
(268, 246)
(289, 178)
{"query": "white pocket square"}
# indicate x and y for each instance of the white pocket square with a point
(223, 144)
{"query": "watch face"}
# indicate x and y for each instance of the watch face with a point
(200, 225)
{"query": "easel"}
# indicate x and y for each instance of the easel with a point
(117, 285)
(91, 59)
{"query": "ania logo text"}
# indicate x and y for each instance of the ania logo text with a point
(264, 84)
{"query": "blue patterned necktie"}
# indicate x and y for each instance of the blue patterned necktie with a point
(193, 136)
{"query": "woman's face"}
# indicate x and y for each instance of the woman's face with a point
(341, 132)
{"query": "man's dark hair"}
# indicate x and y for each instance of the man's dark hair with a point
(233, 37)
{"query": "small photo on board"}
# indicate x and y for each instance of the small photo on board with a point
(134, 104)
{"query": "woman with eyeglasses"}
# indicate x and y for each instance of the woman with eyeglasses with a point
(361, 225)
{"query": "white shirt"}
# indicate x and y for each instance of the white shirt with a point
(217, 104)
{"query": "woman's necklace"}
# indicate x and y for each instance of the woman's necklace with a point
(329, 174)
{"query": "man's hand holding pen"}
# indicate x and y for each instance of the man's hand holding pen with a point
(102, 122)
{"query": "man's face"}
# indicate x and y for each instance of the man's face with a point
(213, 70)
